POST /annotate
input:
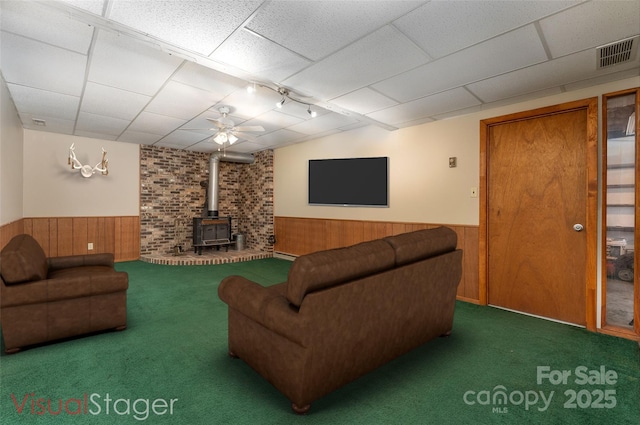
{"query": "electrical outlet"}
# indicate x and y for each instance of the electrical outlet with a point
(474, 192)
(90, 246)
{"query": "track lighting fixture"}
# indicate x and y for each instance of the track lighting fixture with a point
(310, 112)
(286, 94)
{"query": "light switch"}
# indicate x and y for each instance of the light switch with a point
(453, 161)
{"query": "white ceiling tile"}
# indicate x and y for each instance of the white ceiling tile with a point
(245, 105)
(53, 125)
(322, 123)
(370, 55)
(93, 6)
(205, 78)
(242, 147)
(31, 63)
(147, 122)
(364, 101)
(273, 120)
(508, 52)
(196, 25)
(34, 21)
(44, 103)
(122, 62)
(181, 101)
(279, 137)
(182, 138)
(130, 136)
(257, 55)
(380, 55)
(443, 27)
(94, 135)
(112, 102)
(603, 79)
(421, 108)
(100, 124)
(558, 72)
(590, 25)
(316, 29)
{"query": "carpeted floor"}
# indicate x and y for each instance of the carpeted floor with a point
(171, 366)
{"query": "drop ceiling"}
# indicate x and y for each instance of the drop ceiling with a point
(152, 72)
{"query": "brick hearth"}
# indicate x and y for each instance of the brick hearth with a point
(209, 256)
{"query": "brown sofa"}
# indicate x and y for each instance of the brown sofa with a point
(45, 299)
(344, 312)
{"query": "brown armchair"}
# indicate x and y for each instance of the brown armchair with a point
(46, 299)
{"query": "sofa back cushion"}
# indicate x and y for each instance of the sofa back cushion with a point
(328, 268)
(421, 244)
(23, 260)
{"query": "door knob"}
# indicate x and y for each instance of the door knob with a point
(578, 227)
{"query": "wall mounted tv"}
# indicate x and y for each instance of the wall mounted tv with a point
(349, 182)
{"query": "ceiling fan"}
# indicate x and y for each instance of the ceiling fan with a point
(226, 130)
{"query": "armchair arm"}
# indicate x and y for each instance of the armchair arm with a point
(267, 307)
(69, 261)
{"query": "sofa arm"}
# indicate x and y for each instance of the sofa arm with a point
(263, 305)
(70, 261)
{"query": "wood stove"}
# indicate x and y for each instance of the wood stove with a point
(211, 231)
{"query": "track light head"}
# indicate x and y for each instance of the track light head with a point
(279, 104)
(310, 112)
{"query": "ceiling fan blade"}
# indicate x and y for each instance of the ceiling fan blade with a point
(217, 123)
(200, 129)
(244, 136)
(249, 128)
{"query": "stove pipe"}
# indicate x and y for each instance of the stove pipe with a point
(214, 175)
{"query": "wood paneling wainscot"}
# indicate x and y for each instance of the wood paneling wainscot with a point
(298, 236)
(60, 236)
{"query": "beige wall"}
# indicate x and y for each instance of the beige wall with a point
(422, 186)
(52, 189)
(10, 159)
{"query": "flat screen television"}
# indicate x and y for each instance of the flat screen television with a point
(349, 182)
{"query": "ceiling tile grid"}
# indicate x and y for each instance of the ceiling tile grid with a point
(145, 71)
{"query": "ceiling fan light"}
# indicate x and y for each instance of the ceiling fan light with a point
(312, 113)
(279, 104)
(232, 139)
(220, 138)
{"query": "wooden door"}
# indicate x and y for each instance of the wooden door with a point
(537, 190)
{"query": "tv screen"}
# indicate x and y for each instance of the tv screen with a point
(349, 182)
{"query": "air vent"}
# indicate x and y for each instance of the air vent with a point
(37, 121)
(616, 53)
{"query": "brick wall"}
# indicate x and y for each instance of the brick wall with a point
(171, 195)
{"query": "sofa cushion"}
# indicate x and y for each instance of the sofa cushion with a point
(23, 260)
(328, 268)
(421, 244)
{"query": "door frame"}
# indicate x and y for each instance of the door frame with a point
(590, 105)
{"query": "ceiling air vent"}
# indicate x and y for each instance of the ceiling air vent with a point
(38, 121)
(616, 53)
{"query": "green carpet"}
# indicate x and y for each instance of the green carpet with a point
(174, 354)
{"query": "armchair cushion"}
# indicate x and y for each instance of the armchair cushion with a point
(23, 260)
